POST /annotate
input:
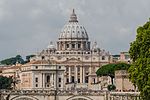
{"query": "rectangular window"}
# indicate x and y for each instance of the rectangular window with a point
(67, 69)
(79, 46)
(59, 80)
(78, 80)
(103, 57)
(78, 69)
(73, 45)
(36, 85)
(86, 79)
(72, 79)
(36, 79)
(67, 80)
(72, 69)
(67, 45)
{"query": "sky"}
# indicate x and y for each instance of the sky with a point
(28, 26)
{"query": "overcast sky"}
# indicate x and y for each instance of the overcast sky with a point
(27, 26)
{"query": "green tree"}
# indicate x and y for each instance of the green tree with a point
(5, 82)
(13, 60)
(139, 71)
(109, 69)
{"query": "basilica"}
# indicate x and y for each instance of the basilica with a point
(71, 63)
(74, 51)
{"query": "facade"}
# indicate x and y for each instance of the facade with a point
(125, 57)
(122, 81)
(74, 51)
(36, 75)
(42, 74)
(72, 63)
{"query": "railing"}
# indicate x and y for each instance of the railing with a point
(111, 95)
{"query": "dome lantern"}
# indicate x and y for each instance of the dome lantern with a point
(73, 17)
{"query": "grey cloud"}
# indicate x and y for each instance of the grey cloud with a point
(27, 26)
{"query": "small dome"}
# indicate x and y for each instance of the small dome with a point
(51, 46)
(72, 30)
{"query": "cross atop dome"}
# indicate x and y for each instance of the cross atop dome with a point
(73, 17)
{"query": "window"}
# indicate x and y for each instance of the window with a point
(93, 80)
(59, 85)
(67, 80)
(59, 67)
(67, 69)
(86, 79)
(36, 67)
(36, 79)
(103, 57)
(36, 85)
(43, 57)
(67, 45)
(73, 45)
(59, 80)
(79, 46)
(48, 79)
(78, 80)
(78, 69)
(72, 69)
(72, 79)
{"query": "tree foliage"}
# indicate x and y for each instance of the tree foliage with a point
(5, 82)
(109, 69)
(140, 54)
(13, 60)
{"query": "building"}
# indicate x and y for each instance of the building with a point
(42, 74)
(125, 57)
(36, 75)
(122, 81)
(74, 51)
(122, 57)
(72, 63)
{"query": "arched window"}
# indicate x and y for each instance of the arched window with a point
(103, 57)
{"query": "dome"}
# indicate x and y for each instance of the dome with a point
(72, 30)
(51, 46)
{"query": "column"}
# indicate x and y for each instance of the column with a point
(53, 79)
(76, 74)
(81, 74)
(69, 74)
(43, 80)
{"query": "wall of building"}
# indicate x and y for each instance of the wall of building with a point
(122, 81)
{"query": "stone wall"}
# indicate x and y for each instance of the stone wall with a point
(67, 95)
